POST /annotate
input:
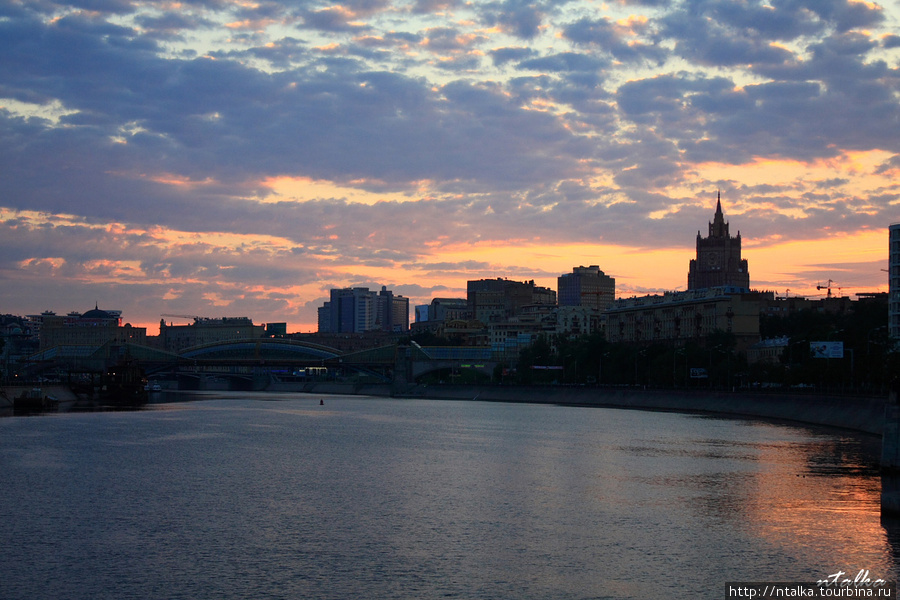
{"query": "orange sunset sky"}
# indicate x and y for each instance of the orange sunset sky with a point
(241, 158)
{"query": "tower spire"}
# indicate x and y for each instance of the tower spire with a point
(718, 228)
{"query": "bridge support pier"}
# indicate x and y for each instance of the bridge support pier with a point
(402, 372)
(890, 455)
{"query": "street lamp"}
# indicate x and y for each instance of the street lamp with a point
(674, 354)
(600, 368)
(791, 351)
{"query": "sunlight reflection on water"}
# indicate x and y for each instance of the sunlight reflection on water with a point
(241, 498)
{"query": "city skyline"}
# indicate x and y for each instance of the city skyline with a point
(224, 158)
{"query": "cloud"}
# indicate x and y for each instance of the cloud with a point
(520, 18)
(333, 19)
(619, 40)
(138, 144)
(501, 56)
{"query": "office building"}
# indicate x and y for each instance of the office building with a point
(357, 310)
(391, 312)
(499, 299)
(586, 286)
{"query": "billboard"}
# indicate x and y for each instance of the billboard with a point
(827, 349)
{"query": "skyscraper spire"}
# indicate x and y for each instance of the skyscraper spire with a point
(718, 261)
(718, 227)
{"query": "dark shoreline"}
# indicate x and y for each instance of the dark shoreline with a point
(855, 413)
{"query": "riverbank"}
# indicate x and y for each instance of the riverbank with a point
(863, 414)
(60, 392)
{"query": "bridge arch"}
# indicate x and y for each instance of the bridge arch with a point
(260, 348)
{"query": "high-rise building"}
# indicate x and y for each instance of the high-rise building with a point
(391, 312)
(421, 313)
(356, 310)
(499, 299)
(894, 283)
(718, 261)
(586, 286)
(447, 309)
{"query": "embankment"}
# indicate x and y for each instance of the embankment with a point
(865, 414)
(60, 392)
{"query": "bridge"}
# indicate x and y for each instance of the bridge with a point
(259, 363)
(450, 359)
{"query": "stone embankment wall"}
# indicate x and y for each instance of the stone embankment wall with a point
(854, 413)
(864, 414)
(60, 392)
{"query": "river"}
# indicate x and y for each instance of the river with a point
(256, 496)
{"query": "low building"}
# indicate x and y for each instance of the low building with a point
(92, 328)
(768, 351)
(676, 317)
(578, 320)
(470, 332)
(510, 336)
(175, 338)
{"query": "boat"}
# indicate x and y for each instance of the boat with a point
(153, 386)
(123, 384)
(34, 400)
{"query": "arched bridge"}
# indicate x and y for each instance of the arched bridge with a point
(257, 361)
(253, 351)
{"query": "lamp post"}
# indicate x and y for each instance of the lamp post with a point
(642, 352)
(791, 353)
(674, 354)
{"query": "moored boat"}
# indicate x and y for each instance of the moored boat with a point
(34, 400)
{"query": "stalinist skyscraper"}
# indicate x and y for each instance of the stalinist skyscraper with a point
(718, 261)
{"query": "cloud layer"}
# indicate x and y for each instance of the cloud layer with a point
(215, 157)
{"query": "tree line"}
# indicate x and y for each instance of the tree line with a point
(869, 364)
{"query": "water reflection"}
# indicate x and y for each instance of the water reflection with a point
(799, 491)
(891, 526)
(87, 404)
(237, 497)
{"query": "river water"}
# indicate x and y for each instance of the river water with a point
(261, 496)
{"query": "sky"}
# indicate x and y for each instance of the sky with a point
(238, 158)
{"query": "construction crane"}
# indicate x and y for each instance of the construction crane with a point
(826, 287)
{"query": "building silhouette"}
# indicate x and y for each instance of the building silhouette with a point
(204, 330)
(718, 262)
(586, 286)
(677, 317)
(490, 300)
(357, 310)
(718, 299)
(894, 282)
(92, 328)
